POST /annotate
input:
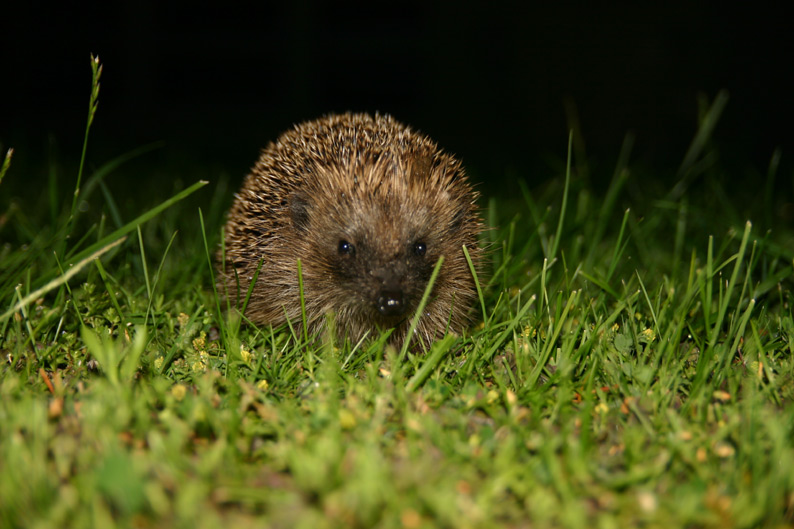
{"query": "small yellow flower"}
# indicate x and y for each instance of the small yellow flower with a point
(179, 391)
(346, 419)
(262, 385)
(158, 362)
(247, 356)
(200, 343)
(198, 366)
(648, 334)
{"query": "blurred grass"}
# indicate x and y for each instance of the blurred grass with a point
(635, 367)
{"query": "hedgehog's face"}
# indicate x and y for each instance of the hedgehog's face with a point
(382, 266)
(380, 256)
(385, 277)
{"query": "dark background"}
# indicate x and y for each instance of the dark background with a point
(490, 82)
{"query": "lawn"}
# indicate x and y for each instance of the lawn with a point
(630, 365)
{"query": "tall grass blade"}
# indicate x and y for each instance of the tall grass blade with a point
(6, 164)
(686, 172)
(552, 339)
(304, 319)
(421, 308)
(731, 283)
(556, 244)
(96, 73)
(476, 283)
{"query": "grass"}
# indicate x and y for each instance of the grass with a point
(631, 367)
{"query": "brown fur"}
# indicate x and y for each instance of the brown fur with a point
(387, 191)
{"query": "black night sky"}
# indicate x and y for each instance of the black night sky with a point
(489, 81)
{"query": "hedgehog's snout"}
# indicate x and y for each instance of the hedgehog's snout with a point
(390, 300)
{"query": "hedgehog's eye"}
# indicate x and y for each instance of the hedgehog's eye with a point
(420, 248)
(345, 248)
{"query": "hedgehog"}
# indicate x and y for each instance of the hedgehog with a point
(368, 206)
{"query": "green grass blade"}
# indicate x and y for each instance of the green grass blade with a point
(476, 283)
(211, 269)
(110, 290)
(552, 339)
(251, 286)
(620, 246)
(143, 265)
(304, 318)
(437, 351)
(157, 273)
(421, 308)
(96, 73)
(686, 171)
(555, 246)
(650, 305)
(731, 284)
(6, 164)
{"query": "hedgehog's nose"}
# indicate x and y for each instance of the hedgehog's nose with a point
(391, 302)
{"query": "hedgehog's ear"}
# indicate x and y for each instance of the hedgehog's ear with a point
(299, 211)
(458, 218)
